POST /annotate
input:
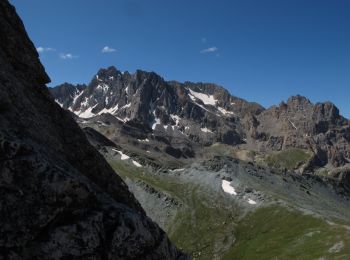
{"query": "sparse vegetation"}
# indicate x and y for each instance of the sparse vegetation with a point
(203, 227)
(206, 228)
(279, 233)
(289, 159)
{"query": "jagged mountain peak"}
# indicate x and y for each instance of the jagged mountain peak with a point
(302, 106)
(327, 110)
(110, 71)
(146, 97)
(111, 84)
(298, 102)
(70, 88)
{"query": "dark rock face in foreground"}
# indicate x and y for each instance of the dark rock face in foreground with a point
(59, 199)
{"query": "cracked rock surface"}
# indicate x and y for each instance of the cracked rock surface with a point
(59, 197)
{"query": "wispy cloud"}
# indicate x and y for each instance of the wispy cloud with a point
(209, 50)
(44, 49)
(204, 40)
(108, 49)
(67, 56)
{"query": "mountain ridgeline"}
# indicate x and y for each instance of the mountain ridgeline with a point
(146, 98)
(185, 116)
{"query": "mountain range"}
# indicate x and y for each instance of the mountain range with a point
(183, 117)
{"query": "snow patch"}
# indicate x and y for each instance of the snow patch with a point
(136, 163)
(178, 170)
(206, 130)
(228, 188)
(111, 110)
(194, 101)
(166, 127)
(176, 118)
(101, 123)
(103, 87)
(121, 119)
(156, 122)
(123, 155)
(87, 113)
(85, 102)
(77, 94)
(126, 106)
(143, 140)
(61, 104)
(224, 111)
(251, 202)
(207, 99)
(293, 125)
(98, 78)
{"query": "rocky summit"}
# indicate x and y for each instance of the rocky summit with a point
(204, 113)
(59, 197)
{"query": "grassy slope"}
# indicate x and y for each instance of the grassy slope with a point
(279, 233)
(288, 159)
(202, 228)
(207, 229)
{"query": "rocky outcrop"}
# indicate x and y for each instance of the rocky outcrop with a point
(59, 197)
(342, 175)
(299, 123)
(65, 93)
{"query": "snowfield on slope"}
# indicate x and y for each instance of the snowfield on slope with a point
(126, 157)
(251, 202)
(226, 186)
(207, 99)
(123, 155)
(136, 163)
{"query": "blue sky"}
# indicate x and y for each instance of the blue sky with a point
(260, 50)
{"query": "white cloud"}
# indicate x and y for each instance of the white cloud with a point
(209, 50)
(44, 49)
(107, 49)
(67, 56)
